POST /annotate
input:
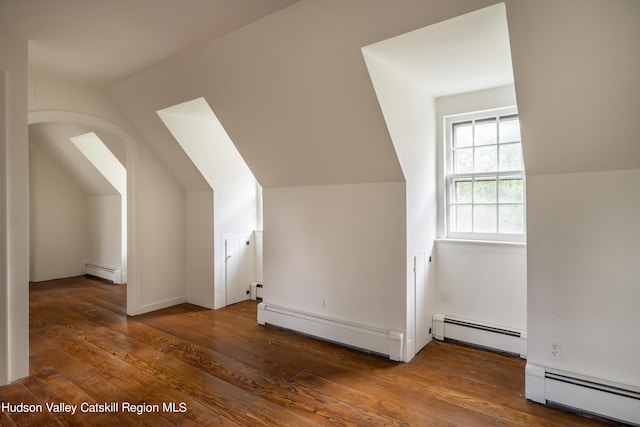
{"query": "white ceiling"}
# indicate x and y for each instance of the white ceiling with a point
(99, 42)
(54, 139)
(463, 54)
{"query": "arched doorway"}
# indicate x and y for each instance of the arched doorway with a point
(131, 155)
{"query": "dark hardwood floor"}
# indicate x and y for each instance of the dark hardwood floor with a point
(222, 368)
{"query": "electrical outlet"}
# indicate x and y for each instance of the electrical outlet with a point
(324, 304)
(556, 350)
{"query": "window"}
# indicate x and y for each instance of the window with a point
(485, 176)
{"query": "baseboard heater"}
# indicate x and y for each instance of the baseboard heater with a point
(111, 274)
(385, 342)
(255, 290)
(482, 334)
(608, 399)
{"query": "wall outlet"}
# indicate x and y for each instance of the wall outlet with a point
(324, 304)
(556, 350)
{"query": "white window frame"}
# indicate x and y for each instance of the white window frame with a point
(449, 121)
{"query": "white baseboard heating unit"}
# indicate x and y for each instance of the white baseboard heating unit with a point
(385, 342)
(482, 334)
(612, 400)
(106, 273)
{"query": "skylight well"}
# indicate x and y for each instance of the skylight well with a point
(92, 147)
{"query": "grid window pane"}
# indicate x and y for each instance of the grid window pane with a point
(511, 157)
(461, 218)
(511, 219)
(486, 159)
(486, 132)
(484, 191)
(463, 160)
(462, 192)
(484, 218)
(486, 177)
(509, 129)
(510, 190)
(463, 135)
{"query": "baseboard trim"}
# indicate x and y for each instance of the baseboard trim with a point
(482, 334)
(159, 305)
(108, 273)
(54, 274)
(604, 398)
(380, 341)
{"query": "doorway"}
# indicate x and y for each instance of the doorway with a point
(108, 216)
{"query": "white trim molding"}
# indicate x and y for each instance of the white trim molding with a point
(483, 334)
(159, 305)
(620, 402)
(380, 341)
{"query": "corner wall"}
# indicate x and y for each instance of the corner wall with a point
(409, 112)
(156, 212)
(200, 253)
(337, 251)
(584, 249)
(161, 235)
(59, 220)
(198, 131)
(492, 287)
(104, 231)
(14, 231)
(578, 123)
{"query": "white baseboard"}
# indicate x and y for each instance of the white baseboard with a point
(619, 402)
(385, 342)
(108, 273)
(159, 305)
(55, 273)
(200, 299)
(496, 337)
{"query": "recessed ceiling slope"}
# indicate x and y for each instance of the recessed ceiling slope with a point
(100, 42)
(463, 54)
(203, 138)
(103, 160)
(54, 139)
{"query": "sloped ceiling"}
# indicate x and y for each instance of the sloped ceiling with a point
(53, 139)
(576, 67)
(98, 42)
(292, 90)
(464, 54)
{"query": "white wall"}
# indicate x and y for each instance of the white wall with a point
(482, 282)
(104, 235)
(410, 116)
(197, 129)
(14, 193)
(161, 239)
(4, 323)
(344, 245)
(69, 226)
(48, 92)
(492, 285)
(582, 157)
(156, 231)
(302, 112)
(59, 220)
(584, 247)
(504, 96)
(199, 255)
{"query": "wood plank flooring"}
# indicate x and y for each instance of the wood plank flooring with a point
(220, 368)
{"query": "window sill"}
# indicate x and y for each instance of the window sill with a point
(482, 245)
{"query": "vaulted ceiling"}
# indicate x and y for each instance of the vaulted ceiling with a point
(99, 42)
(288, 81)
